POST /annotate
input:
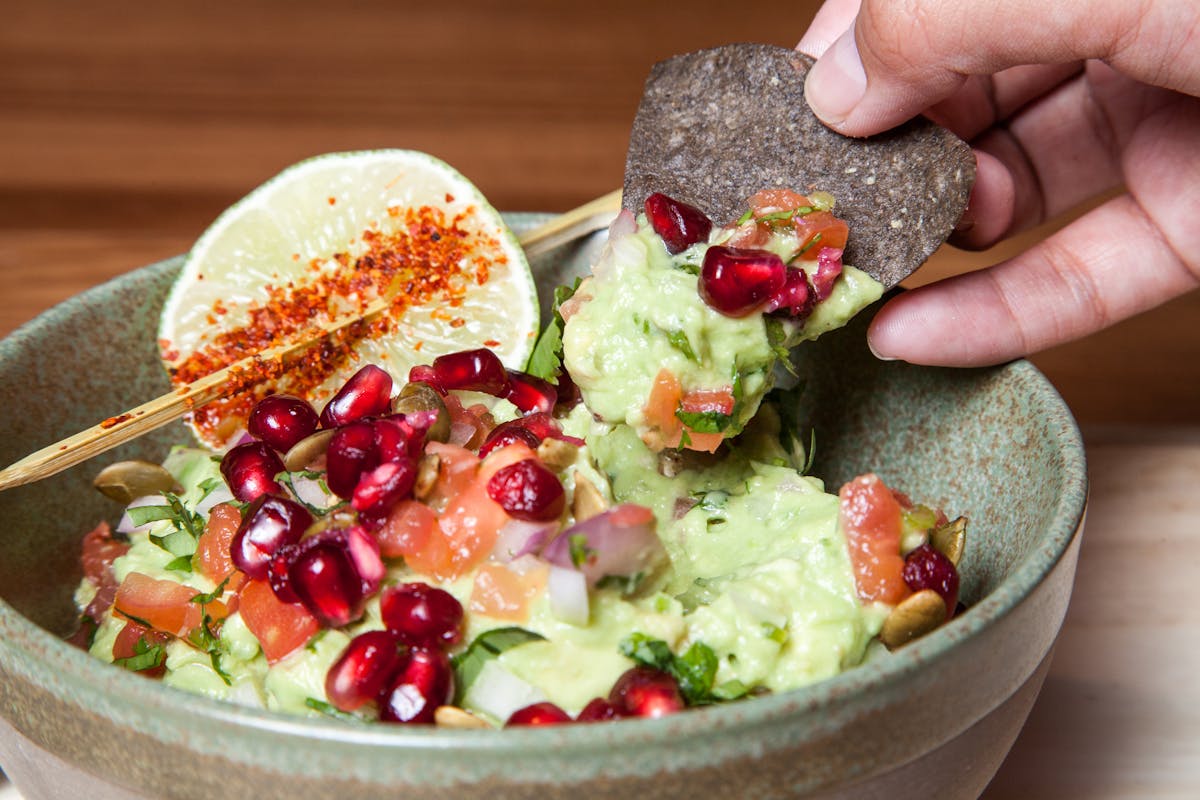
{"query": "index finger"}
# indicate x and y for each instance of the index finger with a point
(903, 57)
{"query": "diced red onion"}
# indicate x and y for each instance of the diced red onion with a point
(521, 537)
(498, 692)
(568, 593)
(619, 541)
(623, 225)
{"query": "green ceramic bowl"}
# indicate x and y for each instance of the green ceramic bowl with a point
(932, 720)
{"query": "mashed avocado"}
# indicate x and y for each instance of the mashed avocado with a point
(757, 571)
(641, 314)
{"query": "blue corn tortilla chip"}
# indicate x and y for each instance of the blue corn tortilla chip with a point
(716, 126)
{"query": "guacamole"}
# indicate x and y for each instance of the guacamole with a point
(477, 539)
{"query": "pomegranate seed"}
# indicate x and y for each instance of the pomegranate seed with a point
(829, 267)
(322, 576)
(598, 710)
(539, 714)
(368, 393)
(926, 568)
(282, 420)
(527, 490)
(423, 373)
(277, 573)
(363, 669)
(250, 471)
(421, 614)
(352, 451)
(795, 297)
(679, 224)
(397, 438)
(736, 282)
(381, 488)
(507, 433)
(472, 370)
(424, 682)
(646, 692)
(268, 523)
(530, 393)
(569, 395)
(363, 549)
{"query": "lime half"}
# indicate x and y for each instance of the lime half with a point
(327, 238)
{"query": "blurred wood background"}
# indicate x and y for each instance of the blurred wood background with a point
(126, 127)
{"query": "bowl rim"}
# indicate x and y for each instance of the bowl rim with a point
(40, 653)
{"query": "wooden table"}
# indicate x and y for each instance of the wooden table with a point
(126, 127)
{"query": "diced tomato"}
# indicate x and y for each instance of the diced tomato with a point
(503, 593)
(667, 397)
(124, 646)
(212, 549)
(164, 605)
(456, 470)
(871, 519)
(773, 201)
(280, 627)
(100, 550)
(703, 400)
(659, 412)
(473, 519)
(833, 232)
(407, 531)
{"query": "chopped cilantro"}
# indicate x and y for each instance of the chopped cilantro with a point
(774, 632)
(625, 584)
(545, 361)
(695, 670)
(705, 421)
(485, 647)
(811, 243)
(688, 267)
(580, 552)
(744, 218)
(180, 564)
(146, 656)
(777, 337)
(679, 341)
(329, 710)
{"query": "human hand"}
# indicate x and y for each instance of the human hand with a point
(1061, 102)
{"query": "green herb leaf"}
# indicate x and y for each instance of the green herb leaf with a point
(730, 690)
(774, 632)
(688, 267)
(777, 336)
(580, 552)
(145, 514)
(329, 710)
(146, 656)
(679, 341)
(695, 671)
(545, 361)
(132, 618)
(811, 243)
(625, 584)
(705, 421)
(744, 218)
(214, 595)
(180, 564)
(486, 646)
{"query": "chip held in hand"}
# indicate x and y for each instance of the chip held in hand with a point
(716, 126)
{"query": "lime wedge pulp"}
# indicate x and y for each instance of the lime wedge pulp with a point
(324, 239)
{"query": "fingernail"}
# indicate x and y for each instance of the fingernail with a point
(837, 82)
(879, 355)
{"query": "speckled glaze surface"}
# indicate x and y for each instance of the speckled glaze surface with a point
(933, 720)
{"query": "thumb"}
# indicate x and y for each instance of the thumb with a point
(900, 58)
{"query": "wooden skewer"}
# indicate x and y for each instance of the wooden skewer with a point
(165, 409)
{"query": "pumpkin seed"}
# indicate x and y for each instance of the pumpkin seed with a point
(912, 618)
(428, 468)
(307, 450)
(126, 481)
(587, 500)
(455, 717)
(950, 539)
(557, 454)
(419, 397)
